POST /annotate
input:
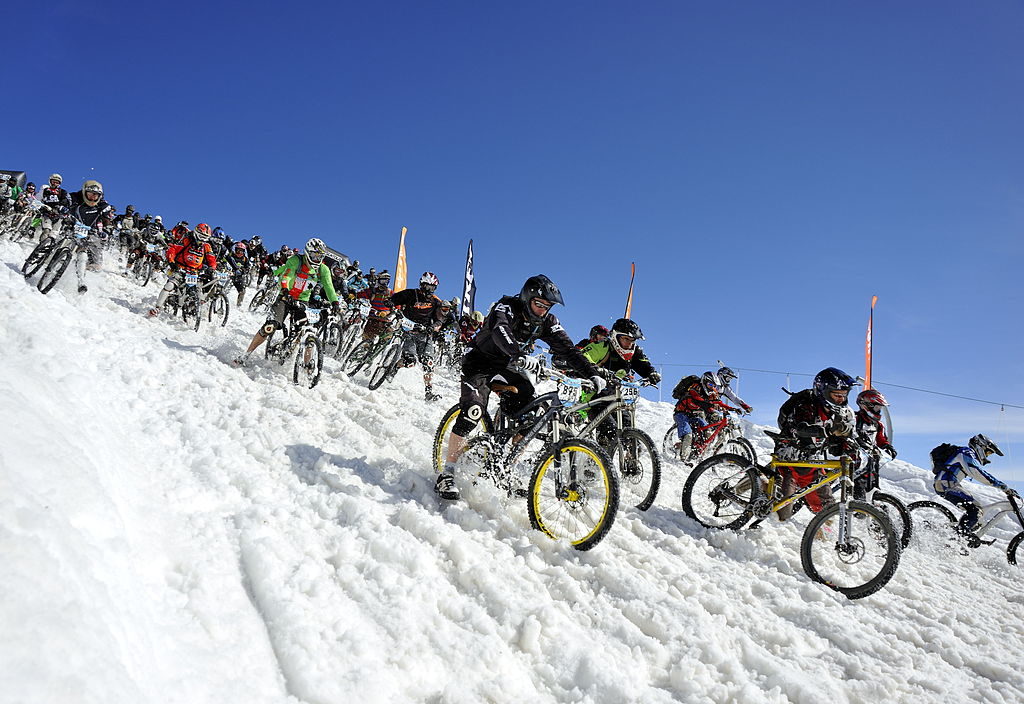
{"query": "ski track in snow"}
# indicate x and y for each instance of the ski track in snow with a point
(179, 530)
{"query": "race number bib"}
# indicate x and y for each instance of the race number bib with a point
(81, 230)
(569, 391)
(191, 279)
(630, 391)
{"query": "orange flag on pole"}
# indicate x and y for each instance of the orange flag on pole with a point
(401, 268)
(629, 297)
(867, 344)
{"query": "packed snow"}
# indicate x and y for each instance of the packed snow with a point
(175, 529)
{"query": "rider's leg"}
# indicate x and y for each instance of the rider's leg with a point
(685, 432)
(956, 495)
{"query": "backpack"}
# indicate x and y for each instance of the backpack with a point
(943, 454)
(684, 385)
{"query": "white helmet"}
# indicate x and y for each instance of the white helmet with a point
(316, 250)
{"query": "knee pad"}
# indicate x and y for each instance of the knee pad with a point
(468, 420)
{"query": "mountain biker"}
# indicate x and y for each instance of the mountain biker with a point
(725, 377)
(378, 319)
(238, 261)
(298, 277)
(423, 308)
(187, 255)
(952, 464)
(498, 352)
(89, 208)
(355, 281)
(870, 435)
(469, 326)
(618, 354)
(54, 197)
(598, 333)
(814, 422)
(698, 405)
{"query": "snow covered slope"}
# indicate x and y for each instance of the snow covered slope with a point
(177, 530)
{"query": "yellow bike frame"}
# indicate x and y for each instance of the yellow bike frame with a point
(839, 468)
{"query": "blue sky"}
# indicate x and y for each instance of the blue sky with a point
(768, 166)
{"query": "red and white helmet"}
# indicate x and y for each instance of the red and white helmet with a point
(871, 401)
(428, 282)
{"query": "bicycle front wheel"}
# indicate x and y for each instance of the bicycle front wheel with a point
(720, 492)
(54, 270)
(574, 494)
(853, 551)
(639, 468)
(190, 311)
(309, 361)
(219, 309)
(383, 371)
(37, 257)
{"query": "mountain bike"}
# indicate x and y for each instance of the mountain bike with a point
(724, 435)
(849, 546)
(368, 350)
(632, 450)
(351, 328)
(389, 360)
(145, 262)
(186, 297)
(572, 492)
(23, 225)
(937, 525)
(56, 253)
(212, 295)
(263, 300)
(298, 339)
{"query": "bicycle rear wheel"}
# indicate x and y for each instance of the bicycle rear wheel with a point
(855, 552)
(668, 443)
(738, 446)
(934, 526)
(720, 492)
(897, 513)
(639, 468)
(444, 429)
(573, 493)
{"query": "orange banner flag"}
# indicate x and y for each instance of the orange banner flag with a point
(401, 268)
(868, 342)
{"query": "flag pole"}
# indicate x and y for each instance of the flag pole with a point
(629, 297)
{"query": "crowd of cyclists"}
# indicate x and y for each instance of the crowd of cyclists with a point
(496, 349)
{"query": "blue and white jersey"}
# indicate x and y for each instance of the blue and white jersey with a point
(356, 283)
(965, 465)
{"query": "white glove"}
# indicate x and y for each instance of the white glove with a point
(599, 384)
